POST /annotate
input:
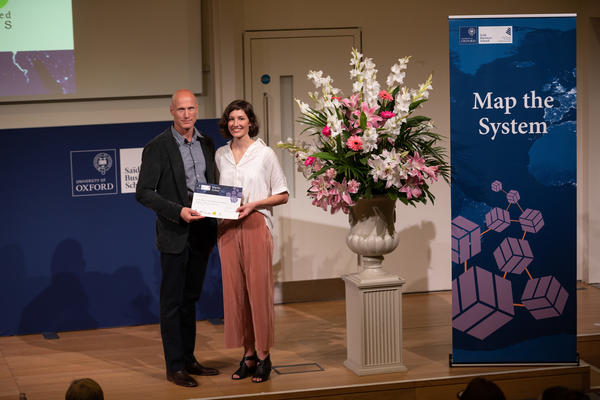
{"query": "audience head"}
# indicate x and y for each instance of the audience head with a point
(481, 389)
(562, 393)
(84, 389)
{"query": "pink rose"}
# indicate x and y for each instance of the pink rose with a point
(326, 131)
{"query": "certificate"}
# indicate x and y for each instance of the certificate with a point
(217, 201)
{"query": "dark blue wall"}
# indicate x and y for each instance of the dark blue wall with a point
(71, 263)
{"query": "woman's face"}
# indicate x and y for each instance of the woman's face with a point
(238, 124)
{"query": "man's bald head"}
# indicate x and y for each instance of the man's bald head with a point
(182, 93)
(184, 109)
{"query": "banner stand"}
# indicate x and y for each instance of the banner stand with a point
(451, 363)
(513, 131)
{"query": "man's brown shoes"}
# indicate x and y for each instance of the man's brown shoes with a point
(181, 378)
(197, 369)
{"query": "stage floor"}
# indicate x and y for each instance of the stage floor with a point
(128, 362)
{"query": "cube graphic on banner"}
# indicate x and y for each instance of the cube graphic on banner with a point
(496, 186)
(481, 302)
(531, 220)
(466, 239)
(544, 297)
(513, 197)
(498, 219)
(513, 255)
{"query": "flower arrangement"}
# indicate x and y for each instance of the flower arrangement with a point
(369, 143)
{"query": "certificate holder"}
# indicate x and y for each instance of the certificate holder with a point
(217, 201)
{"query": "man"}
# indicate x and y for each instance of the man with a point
(172, 164)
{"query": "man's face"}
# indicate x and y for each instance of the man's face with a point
(184, 110)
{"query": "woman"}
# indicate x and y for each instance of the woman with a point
(246, 244)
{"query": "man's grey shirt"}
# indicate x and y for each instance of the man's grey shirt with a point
(193, 159)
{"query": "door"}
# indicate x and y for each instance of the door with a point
(309, 243)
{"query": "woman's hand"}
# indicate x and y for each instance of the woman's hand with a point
(271, 201)
(246, 209)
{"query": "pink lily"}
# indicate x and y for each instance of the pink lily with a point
(352, 102)
(411, 188)
(373, 120)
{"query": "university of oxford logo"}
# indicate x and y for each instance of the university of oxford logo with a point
(103, 162)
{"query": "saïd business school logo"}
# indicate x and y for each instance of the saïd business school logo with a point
(93, 172)
(501, 34)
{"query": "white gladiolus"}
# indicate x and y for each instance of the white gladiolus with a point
(304, 107)
(403, 100)
(364, 75)
(315, 76)
(397, 74)
(424, 90)
(334, 124)
(369, 138)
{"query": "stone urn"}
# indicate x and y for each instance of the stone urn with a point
(372, 233)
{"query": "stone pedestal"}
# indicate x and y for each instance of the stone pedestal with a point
(374, 322)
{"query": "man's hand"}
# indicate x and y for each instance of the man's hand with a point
(189, 215)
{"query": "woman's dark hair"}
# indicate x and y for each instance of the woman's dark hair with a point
(245, 107)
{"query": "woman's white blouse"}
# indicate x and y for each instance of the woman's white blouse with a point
(258, 173)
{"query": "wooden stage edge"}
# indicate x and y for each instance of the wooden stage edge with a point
(310, 337)
(516, 384)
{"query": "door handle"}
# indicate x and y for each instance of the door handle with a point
(266, 116)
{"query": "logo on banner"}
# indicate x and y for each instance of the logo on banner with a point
(468, 34)
(103, 162)
(92, 172)
(131, 159)
(495, 34)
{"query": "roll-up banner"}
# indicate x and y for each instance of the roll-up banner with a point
(513, 153)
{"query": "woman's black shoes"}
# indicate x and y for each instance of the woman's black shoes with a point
(263, 370)
(244, 370)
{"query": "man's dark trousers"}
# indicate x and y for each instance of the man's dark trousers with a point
(181, 285)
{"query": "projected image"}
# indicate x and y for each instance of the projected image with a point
(36, 48)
